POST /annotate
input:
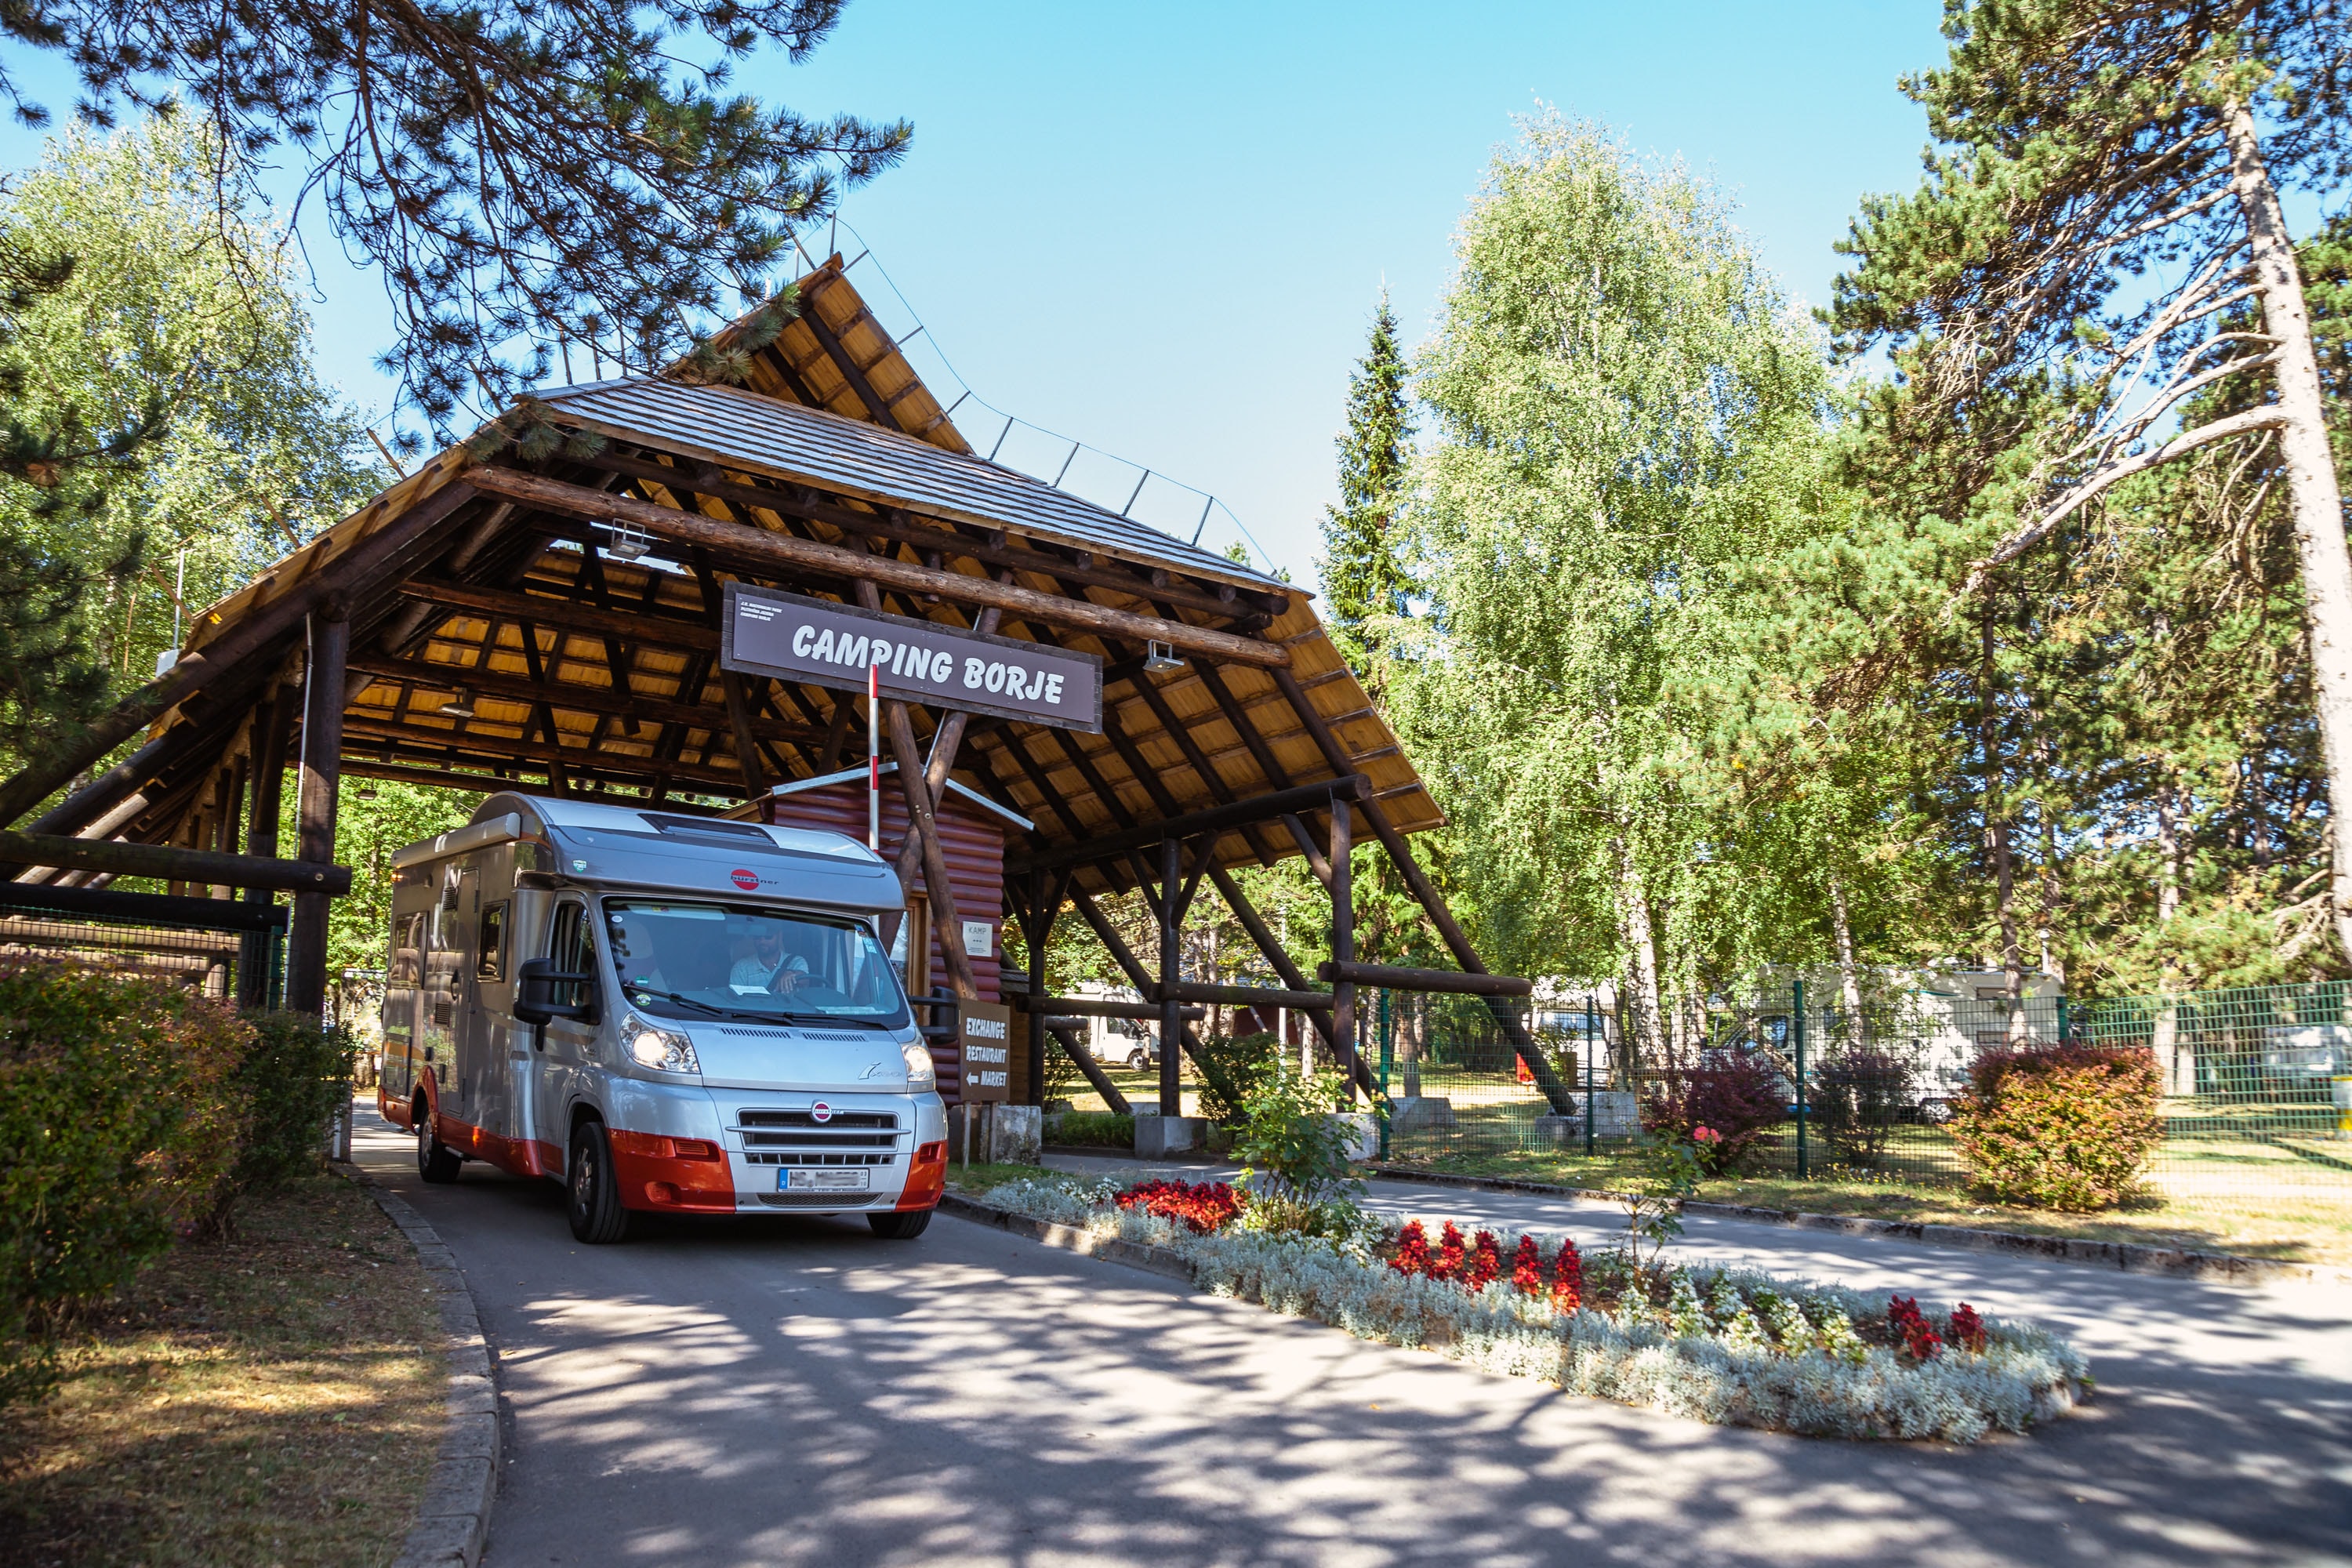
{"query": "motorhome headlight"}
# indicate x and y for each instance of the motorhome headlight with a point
(664, 1050)
(920, 1074)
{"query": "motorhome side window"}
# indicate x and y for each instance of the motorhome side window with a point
(490, 962)
(733, 961)
(567, 942)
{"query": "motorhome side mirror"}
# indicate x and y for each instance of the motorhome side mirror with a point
(539, 984)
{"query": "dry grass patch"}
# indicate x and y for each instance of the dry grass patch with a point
(274, 1398)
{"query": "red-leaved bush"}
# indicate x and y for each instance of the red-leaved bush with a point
(1737, 1095)
(1200, 1209)
(1967, 1329)
(1567, 1277)
(1412, 1254)
(1451, 1253)
(2061, 1127)
(1527, 1268)
(1921, 1341)
(1485, 1260)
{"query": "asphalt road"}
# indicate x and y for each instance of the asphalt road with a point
(770, 1391)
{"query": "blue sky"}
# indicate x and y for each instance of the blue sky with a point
(1161, 230)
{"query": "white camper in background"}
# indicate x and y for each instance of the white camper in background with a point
(666, 1013)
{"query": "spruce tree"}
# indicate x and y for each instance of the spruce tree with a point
(1363, 573)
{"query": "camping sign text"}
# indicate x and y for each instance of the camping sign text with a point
(821, 643)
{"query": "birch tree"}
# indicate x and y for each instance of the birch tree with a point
(1623, 406)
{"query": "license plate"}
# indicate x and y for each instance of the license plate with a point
(796, 1180)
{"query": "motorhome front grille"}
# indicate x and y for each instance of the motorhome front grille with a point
(837, 1121)
(815, 1157)
(752, 1141)
(826, 1200)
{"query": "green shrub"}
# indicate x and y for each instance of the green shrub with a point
(289, 1082)
(2060, 1127)
(1293, 1133)
(1094, 1128)
(117, 1128)
(1239, 1065)
(1857, 1096)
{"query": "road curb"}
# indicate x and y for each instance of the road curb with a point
(1070, 1239)
(453, 1522)
(2127, 1257)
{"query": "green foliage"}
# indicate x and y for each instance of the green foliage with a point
(1092, 1129)
(118, 1125)
(289, 1080)
(2062, 1127)
(1625, 409)
(367, 831)
(1669, 1169)
(175, 357)
(1364, 578)
(519, 171)
(1242, 1065)
(1293, 1134)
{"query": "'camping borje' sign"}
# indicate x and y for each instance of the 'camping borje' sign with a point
(794, 638)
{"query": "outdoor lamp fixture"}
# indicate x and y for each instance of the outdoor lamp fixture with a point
(1158, 656)
(458, 707)
(626, 541)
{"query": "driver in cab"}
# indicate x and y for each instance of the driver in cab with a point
(767, 966)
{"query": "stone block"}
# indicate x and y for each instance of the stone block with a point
(1615, 1114)
(1169, 1136)
(1363, 1133)
(1013, 1133)
(1412, 1114)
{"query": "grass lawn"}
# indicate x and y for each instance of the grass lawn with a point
(274, 1398)
(2302, 1225)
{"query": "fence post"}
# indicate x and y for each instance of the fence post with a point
(1590, 1050)
(1797, 1019)
(2063, 1037)
(1388, 1057)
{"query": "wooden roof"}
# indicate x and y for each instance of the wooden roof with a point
(586, 672)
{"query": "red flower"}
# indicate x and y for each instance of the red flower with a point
(1201, 1208)
(1968, 1328)
(1412, 1254)
(1920, 1341)
(1706, 1135)
(1485, 1261)
(1568, 1277)
(1527, 1268)
(1451, 1253)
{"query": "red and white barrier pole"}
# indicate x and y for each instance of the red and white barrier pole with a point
(874, 758)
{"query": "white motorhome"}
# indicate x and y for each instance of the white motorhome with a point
(666, 1013)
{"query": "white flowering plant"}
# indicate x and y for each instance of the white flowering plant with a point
(1730, 1346)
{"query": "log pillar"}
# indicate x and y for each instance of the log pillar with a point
(273, 725)
(1343, 940)
(1172, 962)
(322, 746)
(1036, 929)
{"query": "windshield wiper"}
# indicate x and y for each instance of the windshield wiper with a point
(684, 1001)
(834, 1018)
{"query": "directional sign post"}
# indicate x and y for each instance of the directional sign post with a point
(843, 646)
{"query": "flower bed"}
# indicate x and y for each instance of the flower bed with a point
(1730, 1346)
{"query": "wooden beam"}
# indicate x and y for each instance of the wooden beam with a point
(777, 551)
(564, 615)
(813, 318)
(578, 697)
(1106, 1008)
(1390, 977)
(1249, 996)
(441, 747)
(1075, 1050)
(943, 536)
(248, 637)
(171, 863)
(1216, 818)
(323, 675)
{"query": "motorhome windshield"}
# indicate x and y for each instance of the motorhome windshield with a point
(735, 961)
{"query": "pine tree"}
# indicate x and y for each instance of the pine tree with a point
(2073, 278)
(1363, 573)
(521, 171)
